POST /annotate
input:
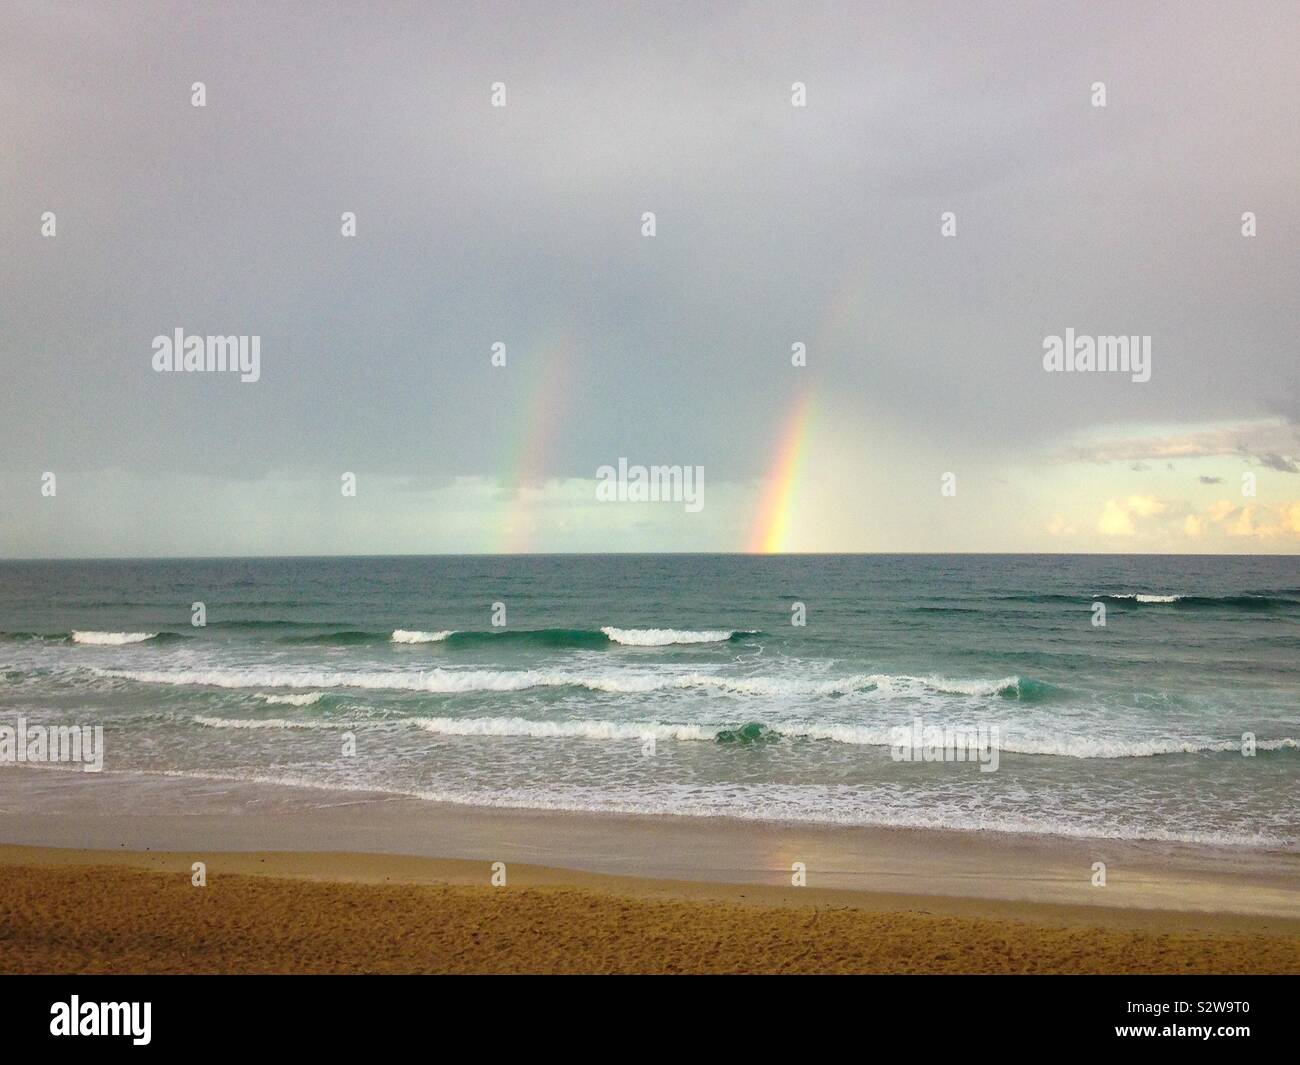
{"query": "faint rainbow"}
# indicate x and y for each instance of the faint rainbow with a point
(772, 528)
(539, 418)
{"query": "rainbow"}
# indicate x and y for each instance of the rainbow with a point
(839, 318)
(772, 527)
(538, 418)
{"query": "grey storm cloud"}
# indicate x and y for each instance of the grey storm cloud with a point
(1278, 462)
(521, 224)
(1265, 442)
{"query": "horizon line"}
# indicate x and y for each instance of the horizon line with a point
(657, 554)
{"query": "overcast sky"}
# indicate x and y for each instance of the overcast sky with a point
(522, 224)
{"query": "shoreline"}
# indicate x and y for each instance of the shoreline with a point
(96, 877)
(151, 813)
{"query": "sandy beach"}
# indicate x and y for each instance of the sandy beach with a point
(134, 912)
(97, 872)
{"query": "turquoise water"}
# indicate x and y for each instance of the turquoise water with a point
(1131, 730)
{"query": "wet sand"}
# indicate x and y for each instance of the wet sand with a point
(95, 876)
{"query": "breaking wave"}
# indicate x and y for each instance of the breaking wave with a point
(1204, 602)
(266, 722)
(305, 699)
(665, 637)
(1045, 743)
(542, 638)
(490, 680)
(110, 639)
(415, 636)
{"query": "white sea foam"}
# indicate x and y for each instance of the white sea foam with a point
(817, 804)
(1048, 742)
(950, 686)
(110, 639)
(665, 637)
(585, 730)
(620, 682)
(415, 636)
(306, 699)
(1142, 597)
(265, 722)
(1088, 747)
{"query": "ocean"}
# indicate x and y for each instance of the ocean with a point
(682, 684)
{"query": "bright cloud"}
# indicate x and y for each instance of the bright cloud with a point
(1115, 520)
(1146, 506)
